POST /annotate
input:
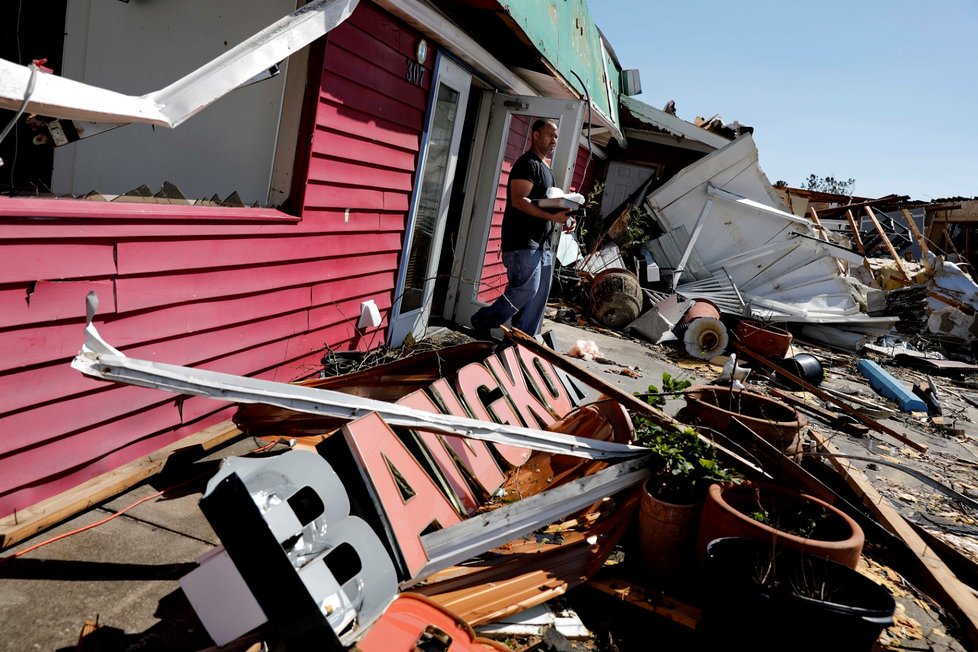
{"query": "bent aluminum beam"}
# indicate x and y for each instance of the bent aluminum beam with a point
(100, 359)
(58, 97)
(478, 534)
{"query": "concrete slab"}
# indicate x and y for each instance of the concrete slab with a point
(177, 509)
(123, 572)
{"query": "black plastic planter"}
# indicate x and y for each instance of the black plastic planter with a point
(761, 598)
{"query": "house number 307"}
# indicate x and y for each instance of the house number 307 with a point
(415, 72)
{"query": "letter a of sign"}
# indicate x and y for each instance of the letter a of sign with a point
(381, 455)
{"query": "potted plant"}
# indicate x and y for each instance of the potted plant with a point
(683, 468)
(764, 596)
(782, 516)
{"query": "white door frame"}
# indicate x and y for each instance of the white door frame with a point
(414, 322)
(462, 300)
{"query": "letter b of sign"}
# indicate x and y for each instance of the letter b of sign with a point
(286, 524)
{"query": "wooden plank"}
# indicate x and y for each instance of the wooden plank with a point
(833, 419)
(660, 604)
(148, 292)
(334, 117)
(371, 69)
(28, 522)
(46, 301)
(808, 387)
(350, 93)
(888, 245)
(782, 468)
(357, 174)
(200, 254)
(330, 195)
(916, 232)
(942, 583)
(50, 261)
(352, 146)
(80, 209)
(857, 238)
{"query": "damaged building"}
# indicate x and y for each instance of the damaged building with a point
(202, 206)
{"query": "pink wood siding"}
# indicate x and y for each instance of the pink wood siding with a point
(493, 272)
(245, 291)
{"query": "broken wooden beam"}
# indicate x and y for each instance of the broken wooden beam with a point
(662, 605)
(888, 245)
(834, 419)
(825, 396)
(943, 584)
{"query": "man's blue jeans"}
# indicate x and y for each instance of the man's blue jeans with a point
(529, 273)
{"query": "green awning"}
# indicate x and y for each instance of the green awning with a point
(572, 47)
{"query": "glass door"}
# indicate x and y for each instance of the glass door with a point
(476, 276)
(416, 279)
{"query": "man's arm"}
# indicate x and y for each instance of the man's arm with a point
(519, 198)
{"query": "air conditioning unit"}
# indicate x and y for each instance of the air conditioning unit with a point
(631, 82)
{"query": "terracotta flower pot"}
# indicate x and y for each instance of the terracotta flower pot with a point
(768, 340)
(829, 533)
(715, 406)
(666, 533)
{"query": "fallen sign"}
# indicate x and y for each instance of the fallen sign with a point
(280, 509)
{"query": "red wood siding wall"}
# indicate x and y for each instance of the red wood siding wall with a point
(244, 291)
(493, 272)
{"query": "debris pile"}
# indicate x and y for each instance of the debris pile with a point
(461, 488)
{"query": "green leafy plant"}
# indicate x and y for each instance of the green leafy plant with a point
(670, 385)
(683, 465)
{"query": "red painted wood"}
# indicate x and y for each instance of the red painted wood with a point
(329, 195)
(333, 116)
(146, 292)
(42, 459)
(352, 95)
(45, 301)
(384, 28)
(145, 257)
(18, 208)
(245, 291)
(384, 72)
(368, 152)
(49, 261)
(46, 486)
(357, 174)
(361, 286)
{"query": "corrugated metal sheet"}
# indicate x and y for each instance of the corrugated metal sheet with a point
(671, 124)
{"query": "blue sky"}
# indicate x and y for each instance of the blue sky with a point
(885, 92)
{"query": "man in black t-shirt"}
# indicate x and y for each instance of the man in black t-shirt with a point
(527, 230)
